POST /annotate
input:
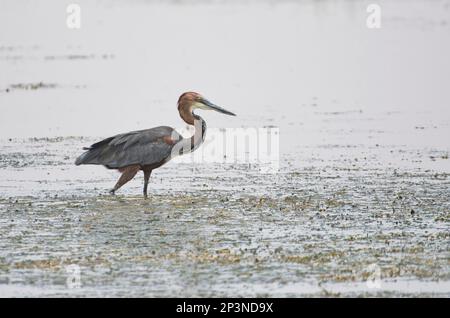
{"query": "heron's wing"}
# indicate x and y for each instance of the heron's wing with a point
(143, 147)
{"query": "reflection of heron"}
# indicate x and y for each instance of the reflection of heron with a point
(151, 148)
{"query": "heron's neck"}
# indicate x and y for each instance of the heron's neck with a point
(192, 143)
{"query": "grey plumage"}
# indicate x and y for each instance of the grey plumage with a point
(143, 147)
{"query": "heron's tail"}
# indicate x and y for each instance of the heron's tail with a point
(80, 160)
(89, 157)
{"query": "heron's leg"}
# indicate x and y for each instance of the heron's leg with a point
(147, 173)
(128, 173)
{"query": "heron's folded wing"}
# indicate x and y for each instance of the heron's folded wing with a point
(142, 154)
(144, 147)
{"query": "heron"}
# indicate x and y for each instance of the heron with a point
(149, 149)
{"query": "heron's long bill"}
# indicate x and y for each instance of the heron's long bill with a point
(219, 109)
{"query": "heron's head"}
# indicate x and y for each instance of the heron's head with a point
(190, 100)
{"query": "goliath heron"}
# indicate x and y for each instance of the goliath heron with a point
(150, 148)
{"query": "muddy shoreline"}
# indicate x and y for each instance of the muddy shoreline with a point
(226, 231)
